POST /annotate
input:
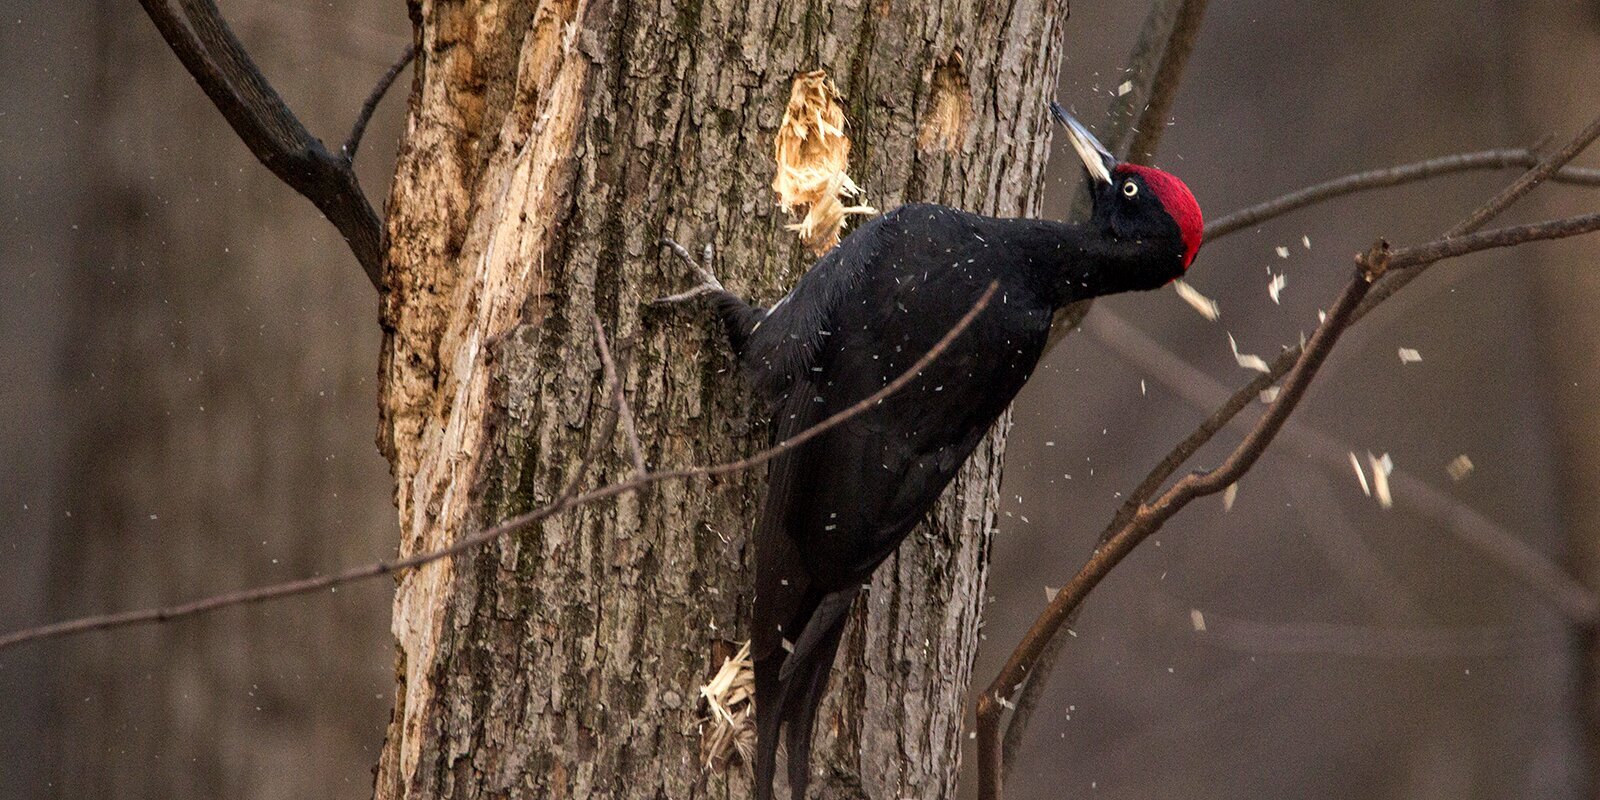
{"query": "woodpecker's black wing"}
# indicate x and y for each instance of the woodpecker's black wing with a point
(840, 504)
(779, 357)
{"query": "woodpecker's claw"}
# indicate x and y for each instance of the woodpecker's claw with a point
(702, 269)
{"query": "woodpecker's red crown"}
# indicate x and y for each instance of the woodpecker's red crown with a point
(1179, 202)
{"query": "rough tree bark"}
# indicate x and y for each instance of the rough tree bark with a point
(548, 146)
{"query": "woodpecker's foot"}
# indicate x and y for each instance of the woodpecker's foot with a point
(701, 269)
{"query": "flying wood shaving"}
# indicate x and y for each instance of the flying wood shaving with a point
(1270, 394)
(1228, 496)
(1126, 87)
(1381, 467)
(730, 697)
(1409, 355)
(1247, 360)
(1355, 464)
(1276, 286)
(1306, 240)
(1207, 307)
(812, 152)
(1198, 620)
(1283, 252)
(1459, 468)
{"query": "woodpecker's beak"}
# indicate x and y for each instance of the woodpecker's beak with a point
(1096, 159)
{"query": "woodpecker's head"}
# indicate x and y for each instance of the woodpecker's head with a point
(1138, 204)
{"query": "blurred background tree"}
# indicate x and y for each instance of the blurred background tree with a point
(193, 411)
(188, 411)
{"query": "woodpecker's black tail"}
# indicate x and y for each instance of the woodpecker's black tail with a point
(789, 690)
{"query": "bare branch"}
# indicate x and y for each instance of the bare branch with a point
(1384, 178)
(359, 129)
(619, 401)
(218, 62)
(1576, 601)
(1134, 122)
(1541, 172)
(569, 499)
(1165, 43)
(1425, 254)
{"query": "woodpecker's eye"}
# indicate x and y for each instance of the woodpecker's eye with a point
(1130, 188)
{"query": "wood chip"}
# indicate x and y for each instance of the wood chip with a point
(1228, 496)
(730, 698)
(1276, 286)
(1247, 360)
(1270, 394)
(1355, 464)
(1459, 468)
(1207, 307)
(1306, 240)
(1409, 355)
(1125, 88)
(1381, 467)
(1198, 620)
(1283, 252)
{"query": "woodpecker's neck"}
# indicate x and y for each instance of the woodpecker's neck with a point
(1069, 262)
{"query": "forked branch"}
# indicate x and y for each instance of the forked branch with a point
(197, 34)
(1392, 176)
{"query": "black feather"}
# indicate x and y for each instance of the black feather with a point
(838, 505)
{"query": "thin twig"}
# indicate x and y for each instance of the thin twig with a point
(624, 413)
(509, 526)
(1545, 170)
(218, 62)
(363, 117)
(1384, 178)
(1424, 254)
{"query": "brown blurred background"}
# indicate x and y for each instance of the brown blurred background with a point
(189, 356)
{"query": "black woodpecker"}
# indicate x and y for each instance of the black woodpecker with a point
(838, 505)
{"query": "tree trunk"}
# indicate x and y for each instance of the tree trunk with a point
(546, 153)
